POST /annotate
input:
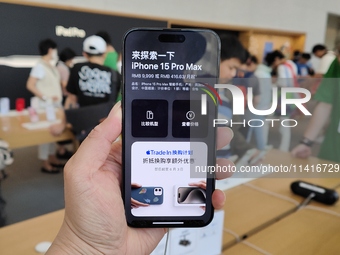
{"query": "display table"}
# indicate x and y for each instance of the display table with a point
(257, 217)
(280, 187)
(307, 231)
(242, 248)
(248, 210)
(261, 217)
(13, 132)
(334, 208)
(22, 237)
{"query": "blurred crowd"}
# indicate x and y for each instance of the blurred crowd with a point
(57, 79)
(263, 84)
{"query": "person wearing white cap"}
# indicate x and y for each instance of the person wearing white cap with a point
(91, 82)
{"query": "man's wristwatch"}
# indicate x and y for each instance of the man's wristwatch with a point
(307, 142)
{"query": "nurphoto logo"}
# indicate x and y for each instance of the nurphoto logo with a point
(239, 109)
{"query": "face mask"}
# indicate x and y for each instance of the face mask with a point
(55, 58)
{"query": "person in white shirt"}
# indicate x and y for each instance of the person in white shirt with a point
(44, 83)
(263, 73)
(286, 72)
(326, 59)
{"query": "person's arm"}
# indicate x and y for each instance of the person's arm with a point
(318, 75)
(239, 144)
(63, 84)
(71, 101)
(64, 76)
(281, 76)
(31, 86)
(57, 129)
(324, 65)
(319, 119)
(256, 100)
(255, 84)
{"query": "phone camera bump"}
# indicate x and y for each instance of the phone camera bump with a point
(158, 191)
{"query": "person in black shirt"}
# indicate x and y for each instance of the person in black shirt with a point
(91, 82)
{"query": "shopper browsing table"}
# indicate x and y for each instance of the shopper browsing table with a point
(328, 108)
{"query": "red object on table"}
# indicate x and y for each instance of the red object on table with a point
(20, 104)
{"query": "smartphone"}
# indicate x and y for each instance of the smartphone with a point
(168, 109)
(148, 195)
(190, 196)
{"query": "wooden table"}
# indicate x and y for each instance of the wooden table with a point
(256, 204)
(12, 131)
(307, 231)
(281, 186)
(334, 208)
(21, 238)
(276, 157)
(248, 210)
(263, 211)
(242, 249)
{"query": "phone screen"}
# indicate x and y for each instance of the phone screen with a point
(168, 134)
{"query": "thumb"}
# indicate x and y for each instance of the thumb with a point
(95, 149)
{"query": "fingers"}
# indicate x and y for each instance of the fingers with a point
(93, 152)
(301, 151)
(301, 154)
(225, 164)
(136, 204)
(224, 136)
(200, 184)
(135, 185)
(218, 199)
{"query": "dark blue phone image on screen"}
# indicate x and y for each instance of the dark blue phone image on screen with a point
(148, 195)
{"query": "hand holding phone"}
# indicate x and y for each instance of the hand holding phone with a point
(168, 133)
(93, 190)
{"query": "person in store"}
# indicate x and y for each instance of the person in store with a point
(44, 83)
(113, 60)
(326, 58)
(64, 65)
(286, 76)
(327, 110)
(233, 55)
(90, 82)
